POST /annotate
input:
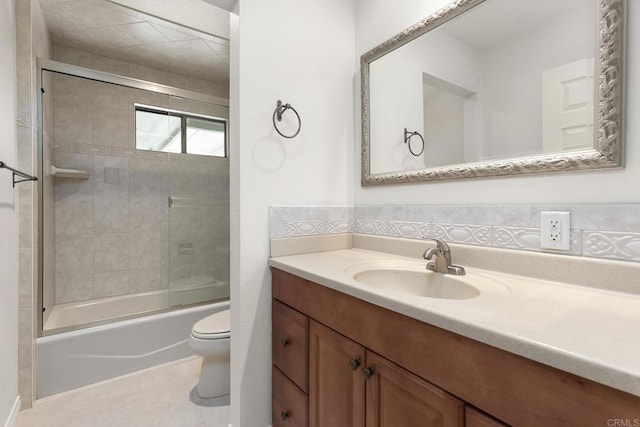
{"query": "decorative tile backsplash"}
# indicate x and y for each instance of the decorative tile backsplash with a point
(597, 231)
(296, 221)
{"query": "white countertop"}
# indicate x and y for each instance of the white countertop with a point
(589, 332)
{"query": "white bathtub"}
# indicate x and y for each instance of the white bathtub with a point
(73, 359)
(196, 289)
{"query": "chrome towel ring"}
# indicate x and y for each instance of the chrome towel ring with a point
(407, 140)
(277, 115)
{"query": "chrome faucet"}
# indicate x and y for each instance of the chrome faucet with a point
(440, 259)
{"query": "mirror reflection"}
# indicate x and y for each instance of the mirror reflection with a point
(506, 79)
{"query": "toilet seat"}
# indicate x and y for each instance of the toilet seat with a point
(213, 327)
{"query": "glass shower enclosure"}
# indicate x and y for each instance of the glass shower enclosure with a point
(134, 198)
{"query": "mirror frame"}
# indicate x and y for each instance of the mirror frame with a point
(608, 151)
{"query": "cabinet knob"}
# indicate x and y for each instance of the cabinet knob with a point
(367, 373)
(354, 364)
(286, 342)
(284, 415)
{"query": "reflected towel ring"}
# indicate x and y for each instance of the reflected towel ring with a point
(277, 115)
(407, 140)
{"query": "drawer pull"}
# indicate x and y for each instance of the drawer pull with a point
(367, 373)
(286, 342)
(284, 415)
(354, 363)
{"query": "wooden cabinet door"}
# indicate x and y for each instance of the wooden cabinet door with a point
(336, 384)
(475, 418)
(398, 398)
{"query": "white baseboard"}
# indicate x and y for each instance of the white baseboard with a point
(14, 415)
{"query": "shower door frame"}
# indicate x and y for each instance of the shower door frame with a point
(43, 65)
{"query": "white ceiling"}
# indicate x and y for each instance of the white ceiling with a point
(197, 14)
(108, 29)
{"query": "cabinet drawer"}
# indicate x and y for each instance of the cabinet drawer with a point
(290, 405)
(290, 343)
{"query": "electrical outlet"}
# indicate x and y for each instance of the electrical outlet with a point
(555, 230)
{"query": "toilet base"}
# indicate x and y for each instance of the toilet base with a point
(215, 377)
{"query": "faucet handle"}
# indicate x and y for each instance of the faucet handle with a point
(441, 265)
(441, 245)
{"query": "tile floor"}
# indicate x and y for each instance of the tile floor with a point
(162, 396)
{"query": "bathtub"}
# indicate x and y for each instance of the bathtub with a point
(74, 359)
(182, 292)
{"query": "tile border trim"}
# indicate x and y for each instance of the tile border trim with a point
(599, 232)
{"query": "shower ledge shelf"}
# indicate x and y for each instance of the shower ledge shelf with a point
(68, 173)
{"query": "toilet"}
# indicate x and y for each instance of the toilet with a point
(211, 339)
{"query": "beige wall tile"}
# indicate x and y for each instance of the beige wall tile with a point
(74, 288)
(74, 255)
(74, 214)
(111, 96)
(25, 274)
(149, 278)
(111, 283)
(76, 91)
(149, 213)
(25, 387)
(148, 249)
(101, 164)
(111, 127)
(110, 65)
(149, 177)
(73, 123)
(111, 214)
(72, 56)
(111, 252)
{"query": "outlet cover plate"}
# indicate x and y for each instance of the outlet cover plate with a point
(555, 230)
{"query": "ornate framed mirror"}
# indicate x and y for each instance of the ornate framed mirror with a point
(496, 87)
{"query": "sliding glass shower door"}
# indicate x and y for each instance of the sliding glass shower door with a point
(134, 198)
(198, 229)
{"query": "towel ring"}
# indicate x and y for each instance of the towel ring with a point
(277, 115)
(407, 140)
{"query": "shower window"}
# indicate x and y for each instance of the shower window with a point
(175, 132)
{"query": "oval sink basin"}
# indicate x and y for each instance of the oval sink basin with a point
(413, 278)
(420, 283)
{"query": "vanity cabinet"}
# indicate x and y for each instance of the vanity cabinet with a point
(367, 366)
(354, 387)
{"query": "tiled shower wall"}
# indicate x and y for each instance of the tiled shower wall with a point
(81, 58)
(114, 232)
(599, 231)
